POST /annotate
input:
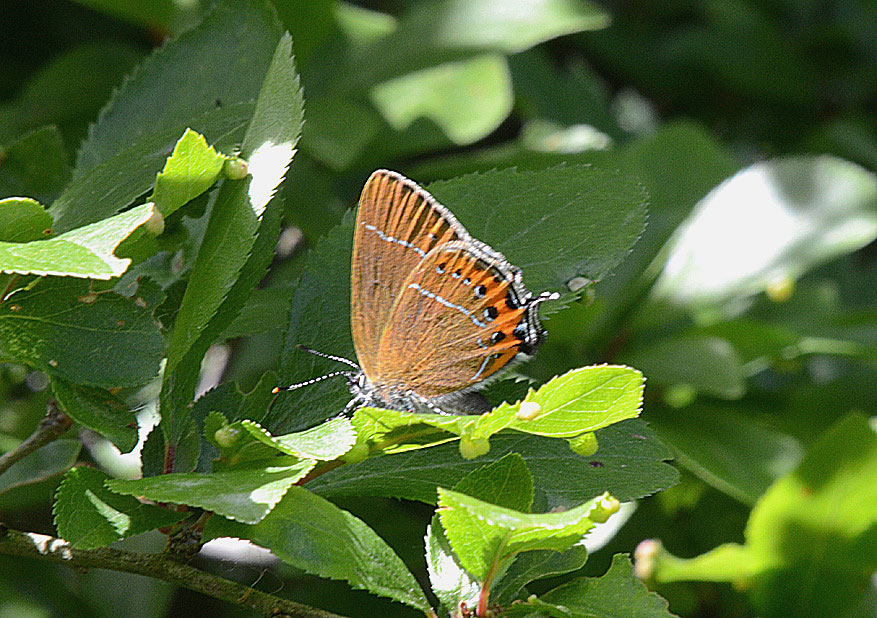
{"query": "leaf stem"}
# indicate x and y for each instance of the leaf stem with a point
(484, 595)
(170, 456)
(158, 566)
(487, 584)
(9, 286)
(53, 425)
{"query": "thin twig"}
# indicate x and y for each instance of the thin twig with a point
(158, 566)
(53, 425)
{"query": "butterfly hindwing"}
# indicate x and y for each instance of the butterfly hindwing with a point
(397, 224)
(461, 315)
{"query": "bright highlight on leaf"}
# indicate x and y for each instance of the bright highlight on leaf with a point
(794, 213)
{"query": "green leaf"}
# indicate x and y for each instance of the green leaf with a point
(617, 593)
(157, 15)
(678, 165)
(192, 169)
(361, 24)
(239, 240)
(811, 546)
(70, 89)
(589, 218)
(395, 431)
(224, 73)
(711, 365)
(98, 409)
(325, 442)
(266, 309)
(137, 130)
(320, 304)
(795, 213)
(506, 482)
(630, 464)
(35, 165)
(84, 252)
(486, 537)
(310, 23)
(467, 99)
(58, 324)
(450, 30)
(245, 493)
(579, 401)
(338, 130)
(569, 96)
(533, 565)
(213, 423)
(586, 217)
(226, 405)
(23, 219)
(726, 449)
(88, 515)
(45, 462)
(314, 535)
(756, 342)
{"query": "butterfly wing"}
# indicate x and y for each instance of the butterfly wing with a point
(397, 224)
(461, 316)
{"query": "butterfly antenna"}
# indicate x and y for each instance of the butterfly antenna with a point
(293, 387)
(340, 359)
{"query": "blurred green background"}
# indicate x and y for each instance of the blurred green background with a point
(749, 303)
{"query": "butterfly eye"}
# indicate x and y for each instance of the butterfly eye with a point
(510, 300)
(520, 331)
(480, 291)
(490, 313)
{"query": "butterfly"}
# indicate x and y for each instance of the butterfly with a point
(434, 312)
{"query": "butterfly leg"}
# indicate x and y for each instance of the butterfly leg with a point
(425, 402)
(352, 405)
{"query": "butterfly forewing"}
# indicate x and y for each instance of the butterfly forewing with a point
(397, 224)
(457, 320)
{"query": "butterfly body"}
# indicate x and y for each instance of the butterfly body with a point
(434, 312)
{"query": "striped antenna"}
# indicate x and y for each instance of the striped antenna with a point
(339, 359)
(292, 387)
